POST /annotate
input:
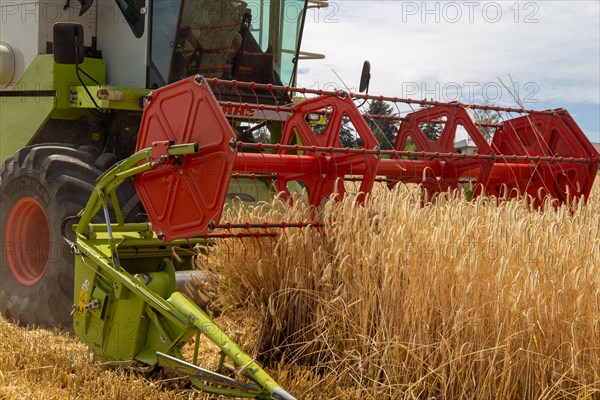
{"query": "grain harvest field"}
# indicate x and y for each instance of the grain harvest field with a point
(394, 300)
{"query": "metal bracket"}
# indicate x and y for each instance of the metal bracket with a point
(160, 150)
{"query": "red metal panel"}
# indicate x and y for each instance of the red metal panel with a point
(333, 166)
(183, 196)
(452, 171)
(540, 135)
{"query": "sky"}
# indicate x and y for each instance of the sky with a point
(470, 51)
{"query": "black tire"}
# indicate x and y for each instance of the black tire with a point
(41, 186)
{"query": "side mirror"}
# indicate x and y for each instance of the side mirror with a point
(365, 77)
(68, 43)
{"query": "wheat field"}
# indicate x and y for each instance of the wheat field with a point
(453, 300)
(393, 300)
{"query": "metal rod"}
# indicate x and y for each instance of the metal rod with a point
(238, 235)
(418, 154)
(272, 225)
(244, 363)
(196, 347)
(318, 92)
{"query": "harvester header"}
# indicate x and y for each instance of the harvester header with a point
(539, 154)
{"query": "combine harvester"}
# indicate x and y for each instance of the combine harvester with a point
(188, 136)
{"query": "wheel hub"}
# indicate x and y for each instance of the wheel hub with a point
(27, 241)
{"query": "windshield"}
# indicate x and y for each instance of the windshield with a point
(132, 11)
(253, 41)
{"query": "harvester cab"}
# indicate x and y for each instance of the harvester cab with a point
(224, 40)
(151, 44)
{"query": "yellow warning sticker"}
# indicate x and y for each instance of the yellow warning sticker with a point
(84, 297)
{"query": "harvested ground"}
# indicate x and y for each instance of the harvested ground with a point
(45, 364)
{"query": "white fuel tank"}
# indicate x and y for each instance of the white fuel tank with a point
(7, 65)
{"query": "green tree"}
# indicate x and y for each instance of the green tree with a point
(410, 145)
(349, 136)
(384, 129)
(432, 130)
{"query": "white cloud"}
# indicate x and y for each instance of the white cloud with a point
(560, 53)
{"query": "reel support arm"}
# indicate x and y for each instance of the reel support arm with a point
(172, 318)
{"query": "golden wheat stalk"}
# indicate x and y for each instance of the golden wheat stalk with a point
(455, 299)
